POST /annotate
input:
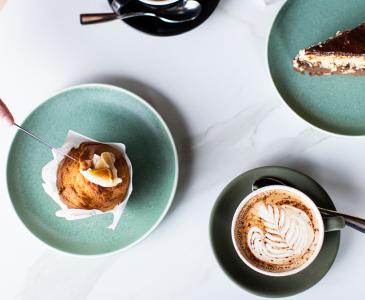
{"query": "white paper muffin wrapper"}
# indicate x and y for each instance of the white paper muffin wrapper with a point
(49, 176)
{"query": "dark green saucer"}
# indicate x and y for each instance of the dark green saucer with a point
(332, 103)
(238, 271)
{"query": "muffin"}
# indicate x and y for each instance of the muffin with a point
(98, 180)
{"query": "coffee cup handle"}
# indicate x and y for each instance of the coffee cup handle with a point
(333, 223)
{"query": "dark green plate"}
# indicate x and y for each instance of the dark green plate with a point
(332, 103)
(103, 113)
(235, 268)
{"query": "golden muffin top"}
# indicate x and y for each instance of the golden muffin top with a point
(76, 191)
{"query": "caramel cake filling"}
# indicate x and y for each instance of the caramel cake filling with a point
(99, 180)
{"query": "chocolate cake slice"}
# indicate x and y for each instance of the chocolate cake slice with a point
(343, 54)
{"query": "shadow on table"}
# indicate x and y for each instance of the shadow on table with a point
(57, 276)
(174, 121)
(329, 177)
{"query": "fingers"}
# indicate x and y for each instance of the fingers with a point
(5, 114)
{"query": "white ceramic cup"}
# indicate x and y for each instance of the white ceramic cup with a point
(337, 225)
(159, 3)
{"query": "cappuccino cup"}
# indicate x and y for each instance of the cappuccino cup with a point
(279, 231)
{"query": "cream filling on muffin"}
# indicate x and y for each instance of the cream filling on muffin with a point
(103, 171)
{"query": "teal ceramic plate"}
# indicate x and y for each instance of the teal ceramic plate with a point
(238, 271)
(103, 113)
(332, 103)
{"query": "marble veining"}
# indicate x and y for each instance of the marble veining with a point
(217, 85)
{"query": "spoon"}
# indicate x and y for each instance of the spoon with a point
(186, 11)
(352, 221)
(8, 119)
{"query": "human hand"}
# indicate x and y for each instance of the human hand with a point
(5, 114)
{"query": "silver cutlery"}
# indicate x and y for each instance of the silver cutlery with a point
(6, 116)
(186, 11)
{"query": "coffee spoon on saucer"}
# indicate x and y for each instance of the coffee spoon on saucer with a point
(8, 119)
(352, 221)
(186, 11)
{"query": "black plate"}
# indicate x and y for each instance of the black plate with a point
(157, 27)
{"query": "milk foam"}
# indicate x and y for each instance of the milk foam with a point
(286, 233)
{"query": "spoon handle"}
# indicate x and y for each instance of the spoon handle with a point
(352, 221)
(86, 19)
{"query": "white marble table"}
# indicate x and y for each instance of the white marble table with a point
(212, 87)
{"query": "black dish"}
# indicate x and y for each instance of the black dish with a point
(157, 27)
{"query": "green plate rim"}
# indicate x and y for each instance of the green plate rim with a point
(173, 190)
(226, 187)
(286, 104)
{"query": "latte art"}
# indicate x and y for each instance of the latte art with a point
(287, 233)
(276, 232)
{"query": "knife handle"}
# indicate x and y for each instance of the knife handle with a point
(5, 114)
